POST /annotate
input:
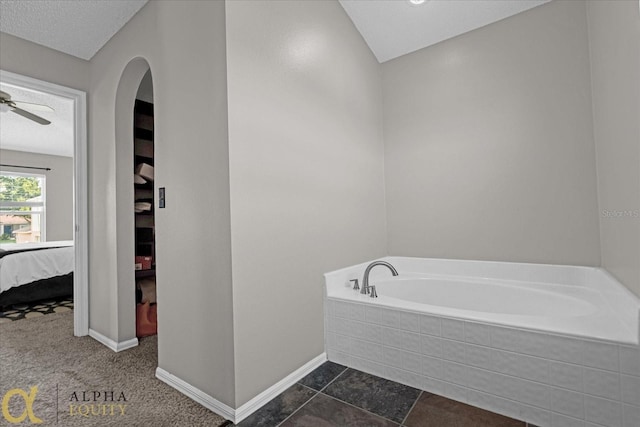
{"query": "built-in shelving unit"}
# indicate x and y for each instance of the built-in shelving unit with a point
(144, 192)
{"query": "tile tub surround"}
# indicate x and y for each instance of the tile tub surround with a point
(544, 378)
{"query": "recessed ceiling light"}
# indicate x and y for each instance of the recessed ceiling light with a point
(416, 1)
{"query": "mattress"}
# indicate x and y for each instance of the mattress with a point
(27, 263)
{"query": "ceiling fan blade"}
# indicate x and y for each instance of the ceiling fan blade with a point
(30, 116)
(32, 106)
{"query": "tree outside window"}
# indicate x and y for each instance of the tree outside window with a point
(22, 207)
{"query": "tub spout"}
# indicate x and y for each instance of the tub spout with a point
(365, 279)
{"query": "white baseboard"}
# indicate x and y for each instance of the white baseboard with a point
(237, 415)
(196, 394)
(113, 345)
(260, 400)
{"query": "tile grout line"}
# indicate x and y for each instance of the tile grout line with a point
(333, 380)
(424, 391)
(316, 393)
(412, 406)
(322, 391)
(357, 407)
(362, 409)
(473, 389)
(619, 388)
(301, 406)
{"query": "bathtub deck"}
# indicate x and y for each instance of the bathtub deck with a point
(612, 312)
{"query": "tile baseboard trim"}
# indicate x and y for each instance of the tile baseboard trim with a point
(237, 415)
(261, 399)
(196, 394)
(113, 345)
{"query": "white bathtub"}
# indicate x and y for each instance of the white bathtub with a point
(550, 345)
(577, 301)
(488, 299)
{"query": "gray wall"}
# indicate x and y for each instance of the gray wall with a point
(145, 90)
(194, 270)
(489, 151)
(194, 235)
(306, 166)
(111, 297)
(614, 36)
(59, 188)
(184, 44)
(30, 59)
(33, 60)
(489, 155)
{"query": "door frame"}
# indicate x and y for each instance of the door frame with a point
(80, 194)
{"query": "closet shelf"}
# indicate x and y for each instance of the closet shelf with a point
(143, 159)
(145, 273)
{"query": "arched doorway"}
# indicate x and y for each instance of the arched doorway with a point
(127, 92)
(144, 209)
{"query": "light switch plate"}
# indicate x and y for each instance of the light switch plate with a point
(161, 197)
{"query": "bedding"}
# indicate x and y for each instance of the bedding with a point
(45, 289)
(33, 265)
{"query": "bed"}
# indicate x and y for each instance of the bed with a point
(35, 271)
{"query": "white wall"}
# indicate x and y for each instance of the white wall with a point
(489, 152)
(614, 37)
(59, 188)
(306, 175)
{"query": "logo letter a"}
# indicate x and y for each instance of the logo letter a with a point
(28, 400)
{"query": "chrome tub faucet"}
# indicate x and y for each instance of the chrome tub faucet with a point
(365, 280)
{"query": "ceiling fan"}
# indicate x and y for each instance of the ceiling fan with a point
(6, 104)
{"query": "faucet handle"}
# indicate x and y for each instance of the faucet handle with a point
(356, 286)
(374, 294)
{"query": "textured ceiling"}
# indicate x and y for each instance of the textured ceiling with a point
(79, 28)
(393, 28)
(20, 134)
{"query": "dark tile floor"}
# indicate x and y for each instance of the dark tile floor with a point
(333, 395)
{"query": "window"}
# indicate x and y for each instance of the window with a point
(22, 207)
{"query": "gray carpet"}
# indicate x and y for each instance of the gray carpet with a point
(43, 352)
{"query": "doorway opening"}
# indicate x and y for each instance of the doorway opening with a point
(56, 217)
(144, 210)
(126, 167)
